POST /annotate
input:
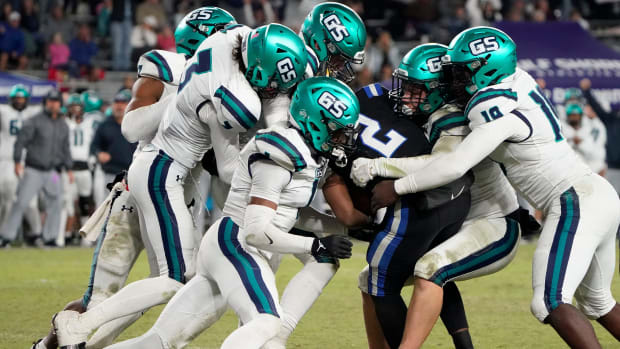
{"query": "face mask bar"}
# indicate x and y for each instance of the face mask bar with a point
(403, 105)
(458, 78)
(340, 151)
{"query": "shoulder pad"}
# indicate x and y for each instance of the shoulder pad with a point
(444, 119)
(284, 146)
(162, 65)
(489, 104)
(237, 104)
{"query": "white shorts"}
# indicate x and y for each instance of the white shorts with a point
(83, 182)
(576, 250)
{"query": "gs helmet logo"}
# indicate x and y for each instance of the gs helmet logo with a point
(286, 69)
(483, 45)
(332, 104)
(434, 64)
(201, 15)
(334, 26)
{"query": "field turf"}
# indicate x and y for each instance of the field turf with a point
(34, 284)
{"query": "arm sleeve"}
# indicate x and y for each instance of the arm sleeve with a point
(598, 108)
(25, 136)
(268, 181)
(142, 123)
(475, 147)
(400, 167)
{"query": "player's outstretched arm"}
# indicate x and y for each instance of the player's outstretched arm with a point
(475, 147)
(145, 110)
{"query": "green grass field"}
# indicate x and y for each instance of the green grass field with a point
(37, 283)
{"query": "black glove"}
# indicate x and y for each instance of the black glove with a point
(209, 163)
(333, 245)
(119, 177)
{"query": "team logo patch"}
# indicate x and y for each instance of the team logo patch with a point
(332, 104)
(202, 15)
(434, 64)
(483, 45)
(335, 28)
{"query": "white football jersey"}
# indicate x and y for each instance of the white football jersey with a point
(80, 137)
(541, 166)
(491, 193)
(211, 76)
(285, 147)
(10, 123)
(591, 147)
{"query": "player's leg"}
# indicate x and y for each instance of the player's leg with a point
(454, 318)
(246, 282)
(84, 181)
(28, 187)
(32, 215)
(8, 189)
(169, 228)
(374, 333)
(574, 227)
(53, 190)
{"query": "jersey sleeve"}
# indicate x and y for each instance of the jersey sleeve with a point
(281, 149)
(490, 104)
(448, 122)
(312, 69)
(161, 65)
(268, 179)
(237, 105)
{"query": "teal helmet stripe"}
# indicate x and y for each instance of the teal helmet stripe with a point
(488, 94)
(236, 108)
(446, 123)
(165, 73)
(284, 146)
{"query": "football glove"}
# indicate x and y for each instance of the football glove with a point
(363, 171)
(333, 245)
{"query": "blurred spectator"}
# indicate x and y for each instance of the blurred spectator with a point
(258, 12)
(575, 16)
(120, 28)
(483, 12)
(612, 123)
(151, 8)
(45, 137)
(30, 16)
(7, 8)
(586, 137)
(165, 40)
(380, 53)
(104, 11)
(59, 53)
(143, 38)
(83, 49)
(453, 20)
(128, 82)
(57, 22)
(112, 150)
(12, 44)
(516, 13)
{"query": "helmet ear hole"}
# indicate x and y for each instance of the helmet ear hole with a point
(490, 72)
(192, 41)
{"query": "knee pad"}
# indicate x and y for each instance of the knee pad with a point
(595, 304)
(362, 280)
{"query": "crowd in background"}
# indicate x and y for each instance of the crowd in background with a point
(84, 39)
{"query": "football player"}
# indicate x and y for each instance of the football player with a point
(277, 174)
(119, 244)
(515, 124)
(488, 239)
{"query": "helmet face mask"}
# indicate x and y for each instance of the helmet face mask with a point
(459, 82)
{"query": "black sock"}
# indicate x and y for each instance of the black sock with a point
(462, 340)
(453, 310)
(392, 314)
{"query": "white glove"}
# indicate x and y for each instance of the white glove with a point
(363, 171)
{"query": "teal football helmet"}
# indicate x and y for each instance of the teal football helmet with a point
(275, 58)
(478, 57)
(326, 111)
(91, 101)
(198, 25)
(573, 94)
(338, 36)
(574, 109)
(75, 105)
(417, 87)
(19, 91)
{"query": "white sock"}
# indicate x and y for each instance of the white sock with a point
(106, 334)
(149, 340)
(133, 298)
(253, 334)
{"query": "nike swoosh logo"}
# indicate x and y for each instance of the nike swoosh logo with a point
(459, 193)
(268, 238)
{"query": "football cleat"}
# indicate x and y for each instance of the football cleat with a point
(66, 325)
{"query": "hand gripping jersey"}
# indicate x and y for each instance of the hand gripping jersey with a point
(285, 147)
(10, 123)
(80, 137)
(212, 76)
(491, 193)
(542, 165)
(385, 135)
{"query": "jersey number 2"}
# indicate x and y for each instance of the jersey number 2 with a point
(371, 128)
(202, 65)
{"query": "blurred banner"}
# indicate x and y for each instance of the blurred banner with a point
(563, 53)
(38, 88)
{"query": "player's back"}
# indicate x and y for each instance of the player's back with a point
(543, 165)
(286, 148)
(491, 193)
(211, 76)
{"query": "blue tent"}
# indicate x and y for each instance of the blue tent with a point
(38, 88)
